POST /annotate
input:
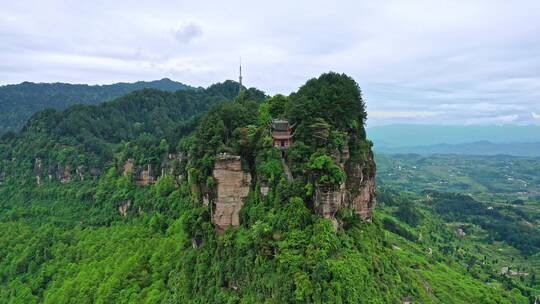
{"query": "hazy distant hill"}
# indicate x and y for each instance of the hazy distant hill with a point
(474, 148)
(398, 136)
(18, 102)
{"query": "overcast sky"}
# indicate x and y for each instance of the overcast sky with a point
(451, 62)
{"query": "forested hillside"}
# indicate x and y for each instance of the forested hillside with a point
(18, 102)
(90, 135)
(119, 203)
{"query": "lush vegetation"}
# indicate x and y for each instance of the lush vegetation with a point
(92, 135)
(498, 179)
(19, 102)
(492, 201)
(70, 242)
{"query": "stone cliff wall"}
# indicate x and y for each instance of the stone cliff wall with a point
(233, 186)
(328, 201)
(63, 173)
(360, 186)
(171, 164)
(358, 191)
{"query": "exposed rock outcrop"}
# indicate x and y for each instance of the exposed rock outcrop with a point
(329, 200)
(264, 189)
(38, 169)
(233, 186)
(63, 174)
(357, 193)
(145, 176)
(172, 164)
(360, 185)
(128, 166)
(80, 170)
(124, 207)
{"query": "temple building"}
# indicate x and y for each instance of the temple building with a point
(282, 133)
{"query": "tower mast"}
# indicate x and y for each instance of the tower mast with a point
(240, 78)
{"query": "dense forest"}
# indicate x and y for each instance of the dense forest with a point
(19, 102)
(78, 225)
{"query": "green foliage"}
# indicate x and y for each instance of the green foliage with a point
(328, 173)
(90, 135)
(20, 101)
(332, 97)
(500, 225)
(274, 107)
(408, 214)
(106, 240)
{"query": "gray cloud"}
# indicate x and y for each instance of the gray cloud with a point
(454, 62)
(188, 33)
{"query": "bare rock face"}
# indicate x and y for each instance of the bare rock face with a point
(357, 193)
(264, 189)
(38, 170)
(142, 175)
(80, 170)
(171, 164)
(328, 200)
(124, 207)
(64, 174)
(232, 189)
(128, 166)
(360, 186)
(145, 176)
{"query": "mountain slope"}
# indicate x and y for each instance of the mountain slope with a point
(144, 229)
(89, 135)
(18, 102)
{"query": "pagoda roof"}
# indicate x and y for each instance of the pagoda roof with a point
(280, 124)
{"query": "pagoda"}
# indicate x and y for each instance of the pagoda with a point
(282, 133)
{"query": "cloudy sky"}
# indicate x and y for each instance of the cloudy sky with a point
(447, 62)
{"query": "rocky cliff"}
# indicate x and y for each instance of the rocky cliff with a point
(170, 164)
(233, 186)
(360, 185)
(356, 193)
(63, 173)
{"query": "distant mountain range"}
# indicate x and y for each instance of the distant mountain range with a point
(472, 140)
(404, 135)
(475, 148)
(18, 102)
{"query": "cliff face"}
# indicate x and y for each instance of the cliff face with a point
(232, 189)
(360, 186)
(357, 192)
(62, 173)
(328, 201)
(142, 175)
(148, 174)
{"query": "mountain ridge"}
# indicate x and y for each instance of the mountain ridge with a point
(18, 102)
(409, 135)
(482, 147)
